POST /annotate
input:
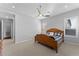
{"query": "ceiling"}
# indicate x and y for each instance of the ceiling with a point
(30, 8)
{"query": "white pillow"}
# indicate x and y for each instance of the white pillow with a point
(51, 34)
(59, 33)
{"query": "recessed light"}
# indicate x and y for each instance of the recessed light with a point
(13, 6)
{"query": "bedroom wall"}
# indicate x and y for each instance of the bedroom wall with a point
(26, 27)
(58, 21)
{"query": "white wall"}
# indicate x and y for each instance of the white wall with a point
(58, 20)
(26, 27)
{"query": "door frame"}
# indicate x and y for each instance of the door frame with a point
(2, 29)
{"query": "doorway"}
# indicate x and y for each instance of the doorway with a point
(7, 29)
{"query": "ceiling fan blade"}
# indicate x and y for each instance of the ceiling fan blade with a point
(40, 14)
(47, 15)
(38, 11)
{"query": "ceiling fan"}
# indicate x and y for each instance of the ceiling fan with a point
(40, 12)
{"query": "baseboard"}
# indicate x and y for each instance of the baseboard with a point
(71, 42)
(23, 41)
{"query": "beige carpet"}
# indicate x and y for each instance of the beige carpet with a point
(31, 48)
(0, 48)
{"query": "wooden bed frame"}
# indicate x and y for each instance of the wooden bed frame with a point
(51, 42)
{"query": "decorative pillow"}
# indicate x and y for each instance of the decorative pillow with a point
(57, 37)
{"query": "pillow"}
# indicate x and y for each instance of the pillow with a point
(61, 35)
(50, 33)
(47, 33)
(57, 34)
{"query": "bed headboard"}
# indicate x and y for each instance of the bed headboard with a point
(55, 30)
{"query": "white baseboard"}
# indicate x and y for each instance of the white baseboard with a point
(23, 41)
(72, 42)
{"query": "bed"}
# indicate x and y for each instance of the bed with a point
(53, 38)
